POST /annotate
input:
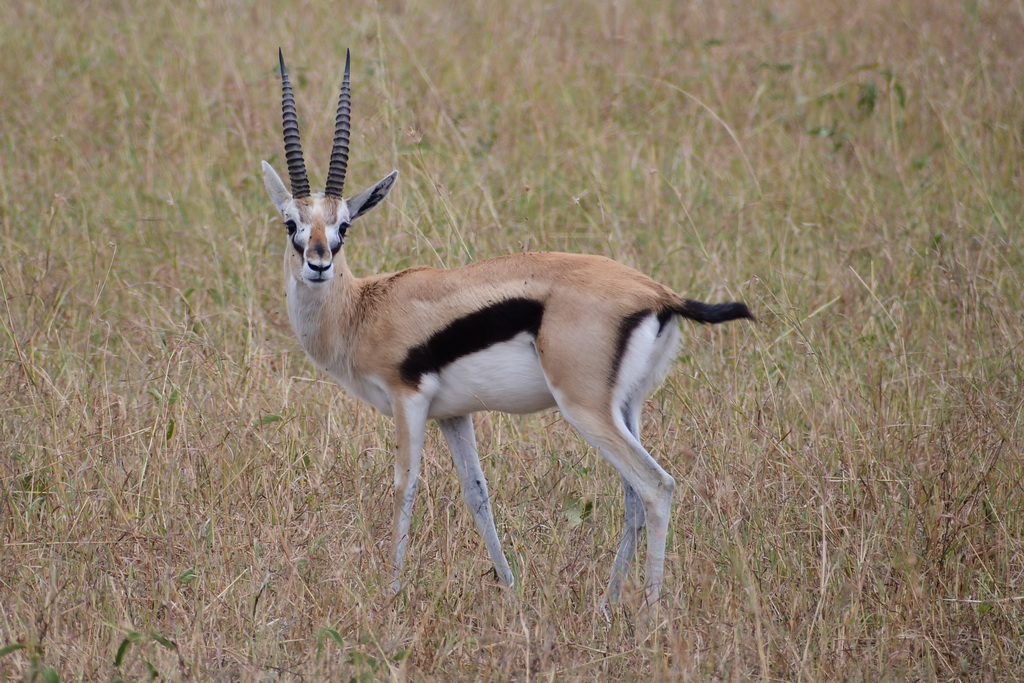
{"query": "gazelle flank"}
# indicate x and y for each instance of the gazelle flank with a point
(517, 333)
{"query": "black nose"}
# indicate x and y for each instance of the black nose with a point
(316, 268)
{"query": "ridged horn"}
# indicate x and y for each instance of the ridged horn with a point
(292, 143)
(339, 152)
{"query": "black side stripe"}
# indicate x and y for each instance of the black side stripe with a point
(477, 331)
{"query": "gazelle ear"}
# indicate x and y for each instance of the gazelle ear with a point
(369, 198)
(275, 188)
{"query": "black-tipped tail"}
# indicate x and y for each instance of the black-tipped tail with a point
(712, 313)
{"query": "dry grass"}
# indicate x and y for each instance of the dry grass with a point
(184, 495)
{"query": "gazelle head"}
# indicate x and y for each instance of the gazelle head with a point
(317, 223)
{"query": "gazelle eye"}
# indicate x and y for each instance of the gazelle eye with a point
(290, 224)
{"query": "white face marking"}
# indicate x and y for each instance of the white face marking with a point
(316, 232)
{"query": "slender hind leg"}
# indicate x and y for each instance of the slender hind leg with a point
(653, 486)
(458, 432)
(634, 522)
(649, 482)
(606, 413)
(635, 517)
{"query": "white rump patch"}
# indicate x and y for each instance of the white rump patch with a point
(644, 364)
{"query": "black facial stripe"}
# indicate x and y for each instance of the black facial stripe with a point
(342, 229)
(474, 332)
(301, 250)
(626, 327)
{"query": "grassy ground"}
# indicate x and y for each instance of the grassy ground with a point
(183, 494)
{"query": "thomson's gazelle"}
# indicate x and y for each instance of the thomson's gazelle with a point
(516, 333)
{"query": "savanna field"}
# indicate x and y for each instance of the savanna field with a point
(184, 496)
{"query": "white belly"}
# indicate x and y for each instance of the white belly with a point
(505, 377)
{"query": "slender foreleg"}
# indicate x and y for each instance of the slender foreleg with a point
(410, 423)
(458, 432)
